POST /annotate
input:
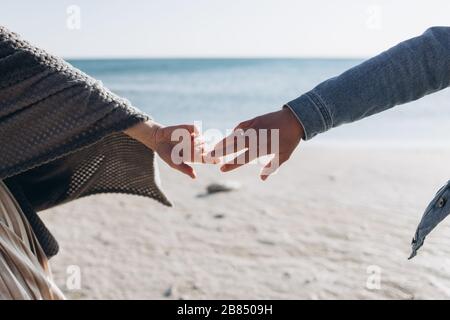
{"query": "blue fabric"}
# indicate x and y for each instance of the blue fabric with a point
(406, 72)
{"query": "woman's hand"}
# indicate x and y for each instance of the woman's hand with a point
(163, 141)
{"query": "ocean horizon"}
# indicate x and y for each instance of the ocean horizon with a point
(221, 92)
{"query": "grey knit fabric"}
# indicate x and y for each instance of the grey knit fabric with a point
(61, 135)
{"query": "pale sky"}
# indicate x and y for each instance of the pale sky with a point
(221, 28)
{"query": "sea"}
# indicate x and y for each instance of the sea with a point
(220, 93)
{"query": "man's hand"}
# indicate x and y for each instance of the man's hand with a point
(290, 134)
(159, 139)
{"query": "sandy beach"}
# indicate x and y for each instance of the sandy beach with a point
(316, 230)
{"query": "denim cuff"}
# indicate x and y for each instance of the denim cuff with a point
(308, 111)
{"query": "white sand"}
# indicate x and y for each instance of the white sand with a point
(311, 231)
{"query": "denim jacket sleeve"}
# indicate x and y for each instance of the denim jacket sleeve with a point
(406, 72)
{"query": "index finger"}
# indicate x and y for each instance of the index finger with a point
(233, 143)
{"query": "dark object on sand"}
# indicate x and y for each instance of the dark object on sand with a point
(437, 210)
(225, 186)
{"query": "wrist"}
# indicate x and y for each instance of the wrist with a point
(153, 128)
(293, 122)
(146, 133)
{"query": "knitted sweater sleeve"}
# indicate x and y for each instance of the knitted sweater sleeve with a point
(61, 131)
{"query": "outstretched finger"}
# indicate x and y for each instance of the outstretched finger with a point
(233, 143)
(239, 161)
(271, 167)
(186, 169)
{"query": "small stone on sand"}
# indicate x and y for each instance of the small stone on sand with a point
(170, 292)
(224, 186)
